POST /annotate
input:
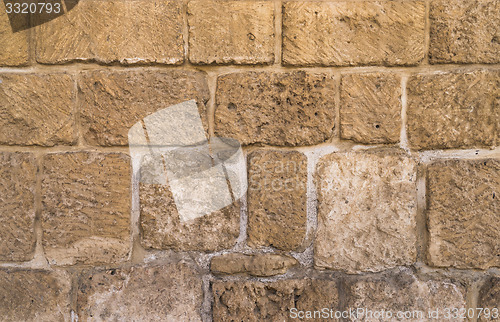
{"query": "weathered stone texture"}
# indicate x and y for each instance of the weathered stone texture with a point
(168, 292)
(34, 295)
(370, 108)
(86, 207)
(295, 108)
(404, 293)
(489, 297)
(36, 109)
(367, 210)
(13, 40)
(277, 200)
(257, 301)
(464, 213)
(17, 206)
(454, 110)
(254, 265)
(464, 31)
(353, 33)
(239, 32)
(111, 102)
(114, 31)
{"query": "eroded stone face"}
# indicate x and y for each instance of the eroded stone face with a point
(489, 297)
(17, 206)
(277, 200)
(14, 43)
(252, 264)
(370, 108)
(367, 209)
(113, 31)
(167, 292)
(286, 109)
(112, 102)
(257, 301)
(239, 32)
(353, 33)
(37, 109)
(464, 31)
(464, 213)
(454, 110)
(34, 295)
(86, 207)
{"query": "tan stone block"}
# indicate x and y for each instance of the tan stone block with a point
(86, 207)
(13, 38)
(225, 32)
(168, 292)
(114, 31)
(370, 108)
(489, 298)
(252, 264)
(34, 295)
(17, 206)
(277, 200)
(454, 110)
(353, 33)
(366, 211)
(295, 108)
(37, 109)
(464, 32)
(112, 102)
(258, 301)
(463, 210)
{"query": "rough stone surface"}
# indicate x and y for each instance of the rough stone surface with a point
(489, 297)
(17, 206)
(257, 301)
(111, 102)
(254, 265)
(36, 109)
(353, 33)
(464, 213)
(114, 31)
(277, 186)
(367, 209)
(370, 108)
(14, 43)
(166, 292)
(295, 108)
(404, 293)
(464, 31)
(454, 110)
(34, 295)
(239, 32)
(86, 207)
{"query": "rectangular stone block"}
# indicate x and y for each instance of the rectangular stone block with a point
(353, 33)
(86, 207)
(160, 292)
(295, 108)
(112, 102)
(34, 295)
(252, 264)
(17, 206)
(37, 109)
(489, 298)
(464, 32)
(277, 199)
(370, 108)
(113, 31)
(367, 206)
(13, 38)
(231, 32)
(274, 301)
(463, 210)
(454, 110)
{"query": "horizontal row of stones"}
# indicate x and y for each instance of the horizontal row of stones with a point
(457, 109)
(173, 292)
(367, 210)
(243, 32)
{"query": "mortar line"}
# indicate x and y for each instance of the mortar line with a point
(278, 30)
(338, 84)
(427, 30)
(211, 105)
(185, 31)
(403, 139)
(422, 242)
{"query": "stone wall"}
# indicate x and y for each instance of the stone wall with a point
(370, 131)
